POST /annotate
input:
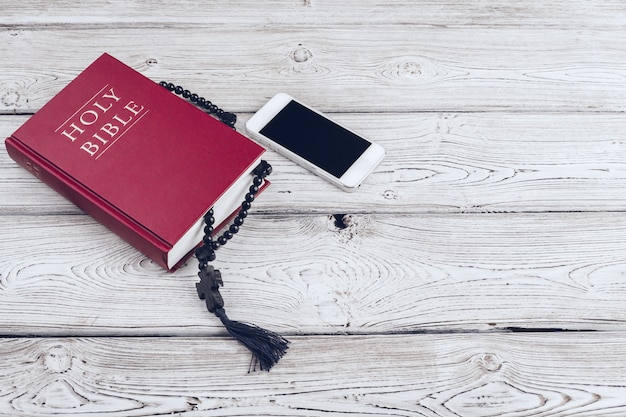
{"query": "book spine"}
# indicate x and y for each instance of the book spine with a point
(91, 204)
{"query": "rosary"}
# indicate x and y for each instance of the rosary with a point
(266, 347)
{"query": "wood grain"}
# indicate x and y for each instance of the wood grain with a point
(315, 13)
(410, 375)
(349, 69)
(304, 275)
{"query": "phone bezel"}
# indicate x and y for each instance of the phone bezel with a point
(350, 180)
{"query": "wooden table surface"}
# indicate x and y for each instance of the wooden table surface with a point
(479, 271)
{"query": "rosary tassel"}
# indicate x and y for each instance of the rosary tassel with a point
(267, 347)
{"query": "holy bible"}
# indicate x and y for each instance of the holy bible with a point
(142, 161)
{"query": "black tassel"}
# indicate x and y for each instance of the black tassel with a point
(267, 347)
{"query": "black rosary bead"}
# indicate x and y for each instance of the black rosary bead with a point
(233, 228)
(205, 253)
(257, 181)
(249, 197)
(246, 206)
(215, 245)
(253, 189)
(178, 90)
(228, 235)
(267, 170)
(238, 221)
(263, 169)
(207, 239)
(228, 118)
(193, 98)
(222, 240)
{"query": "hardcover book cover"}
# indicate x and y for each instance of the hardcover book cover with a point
(140, 160)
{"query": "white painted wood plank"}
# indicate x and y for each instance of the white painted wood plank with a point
(410, 375)
(374, 68)
(436, 162)
(67, 275)
(314, 13)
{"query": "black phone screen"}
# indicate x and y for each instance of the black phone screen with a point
(315, 138)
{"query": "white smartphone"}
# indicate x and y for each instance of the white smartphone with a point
(315, 142)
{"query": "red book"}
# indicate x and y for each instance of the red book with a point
(139, 159)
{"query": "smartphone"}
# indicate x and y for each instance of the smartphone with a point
(315, 142)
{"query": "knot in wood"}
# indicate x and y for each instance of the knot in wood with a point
(411, 68)
(58, 359)
(301, 54)
(389, 195)
(491, 362)
(11, 99)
